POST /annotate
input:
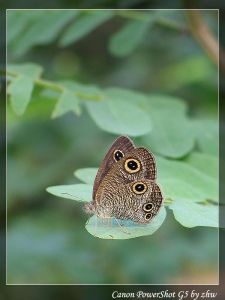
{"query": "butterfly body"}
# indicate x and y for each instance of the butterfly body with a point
(125, 186)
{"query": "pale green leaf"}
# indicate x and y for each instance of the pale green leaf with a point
(161, 103)
(67, 102)
(21, 87)
(79, 192)
(110, 229)
(30, 70)
(207, 135)
(120, 116)
(130, 95)
(175, 188)
(127, 39)
(20, 90)
(86, 175)
(83, 26)
(205, 186)
(191, 214)
(207, 164)
(172, 134)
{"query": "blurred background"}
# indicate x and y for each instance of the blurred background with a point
(46, 240)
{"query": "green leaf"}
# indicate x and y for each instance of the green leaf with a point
(17, 21)
(207, 135)
(174, 188)
(21, 87)
(127, 39)
(205, 186)
(78, 192)
(83, 26)
(172, 134)
(119, 116)
(110, 229)
(191, 214)
(43, 30)
(67, 102)
(166, 104)
(20, 90)
(207, 164)
(86, 175)
(30, 70)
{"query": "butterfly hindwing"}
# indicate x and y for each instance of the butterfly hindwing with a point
(139, 200)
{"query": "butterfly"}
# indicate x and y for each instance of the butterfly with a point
(125, 185)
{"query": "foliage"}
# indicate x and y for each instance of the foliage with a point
(75, 25)
(113, 111)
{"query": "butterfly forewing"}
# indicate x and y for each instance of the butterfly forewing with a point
(138, 163)
(119, 148)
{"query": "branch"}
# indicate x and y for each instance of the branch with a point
(205, 37)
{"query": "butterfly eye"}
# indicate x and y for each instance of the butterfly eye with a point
(139, 187)
(118, 155)
(132, 165)
(148, 206)
(148, 216)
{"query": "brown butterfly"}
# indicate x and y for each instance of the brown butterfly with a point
(125, 186)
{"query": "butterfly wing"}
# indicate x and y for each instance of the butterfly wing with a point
(138, 201)
(136, 164)
(119, 148)
(116, 176)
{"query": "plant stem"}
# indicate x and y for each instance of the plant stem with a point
(59, 88)
(167, 23)
(48, 84)
(170, 24)
(132, 15)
